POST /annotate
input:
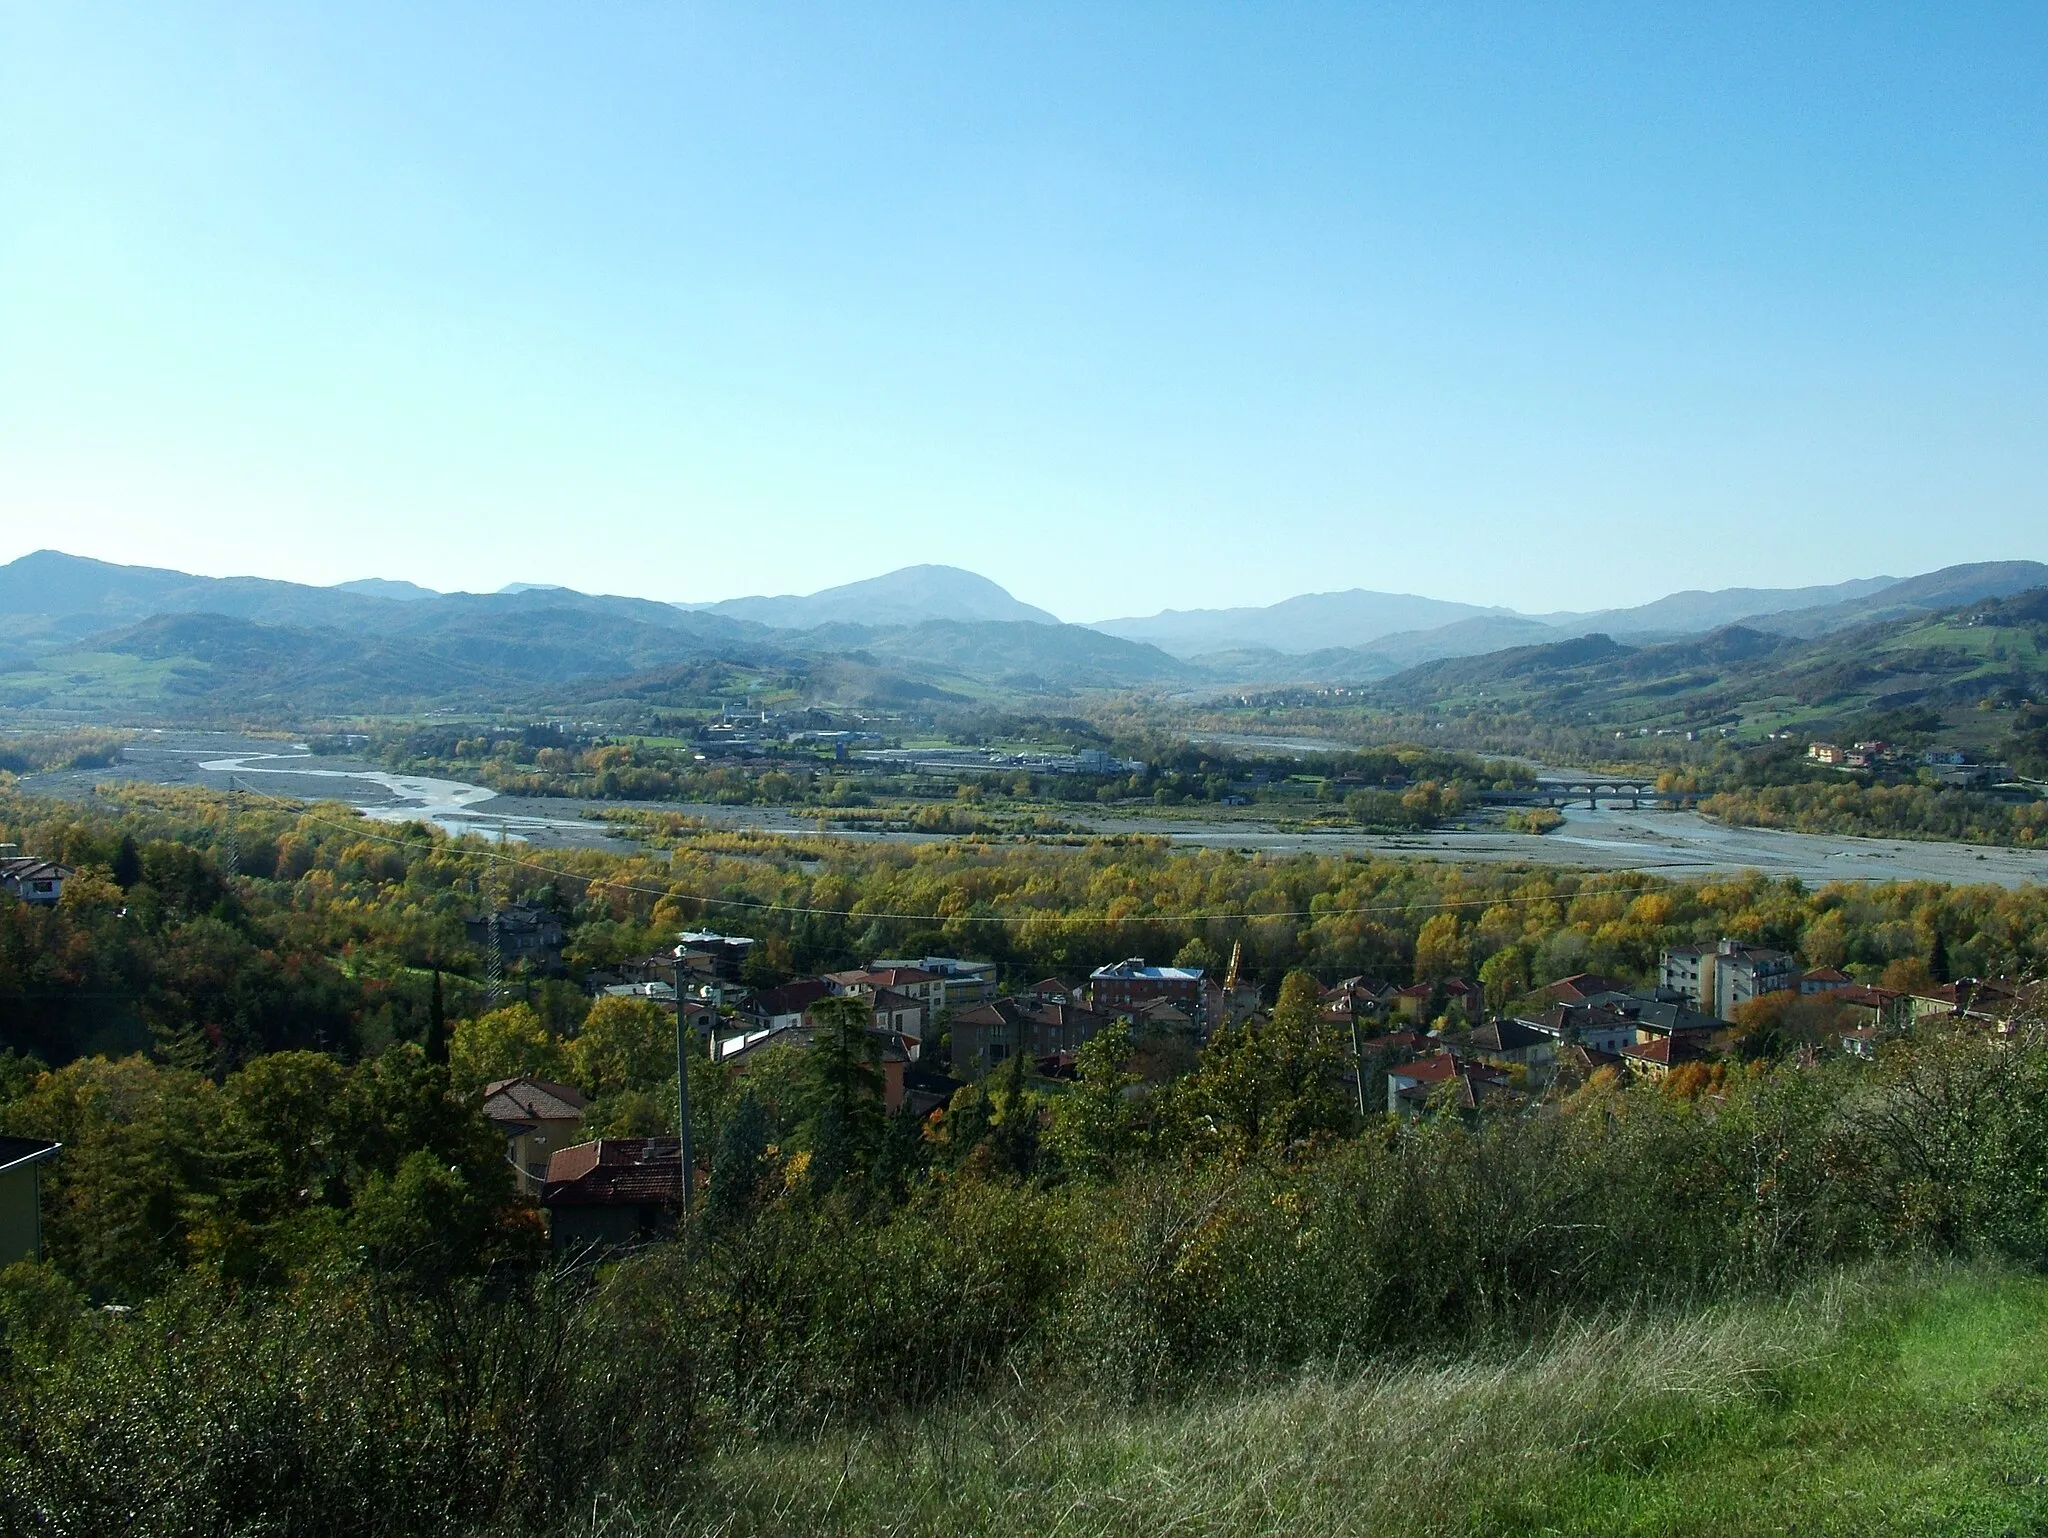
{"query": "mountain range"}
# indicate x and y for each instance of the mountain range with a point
(85, 636)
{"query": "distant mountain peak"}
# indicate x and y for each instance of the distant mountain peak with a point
(386, 587)
(909, 595)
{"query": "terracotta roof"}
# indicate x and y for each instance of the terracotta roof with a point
(1586, 1059)
(525, 1099)
(1667, 1050)
(1824, 975)
(615, 1171)
(1428, 1070)
(882, 977)
(1581, 986)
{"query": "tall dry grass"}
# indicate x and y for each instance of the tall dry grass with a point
(1387, 1446)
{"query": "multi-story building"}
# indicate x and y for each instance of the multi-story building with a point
(987, 1034)
(713, 955)
(926, 989)
(1716, 979)
(1130, 983)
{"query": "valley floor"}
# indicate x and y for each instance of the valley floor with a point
(1901, 1403)
(1610, 838)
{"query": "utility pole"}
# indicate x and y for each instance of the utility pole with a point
(1357, 1062)
(683, 1091)
(231, 846)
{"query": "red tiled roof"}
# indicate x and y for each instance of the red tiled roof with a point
(1428, 1070)
(1580, 986)
(621, 1171)
(882, 977)
(1667, 1050)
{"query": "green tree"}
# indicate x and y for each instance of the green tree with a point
(1094, 1125)
(740, 1164)
(127, 867)
(846, 1084)
(437, 1022)
(1267, 1087)
(288, 1110)
(504, 1044)
(624, 1044)
(1504, 976)
(425, 1223)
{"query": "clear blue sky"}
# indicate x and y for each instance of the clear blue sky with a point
(1126, 307)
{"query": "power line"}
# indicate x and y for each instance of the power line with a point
(746, 904)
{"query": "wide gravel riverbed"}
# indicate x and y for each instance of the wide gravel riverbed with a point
(1673, 843)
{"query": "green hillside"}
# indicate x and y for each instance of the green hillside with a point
(1993, 653)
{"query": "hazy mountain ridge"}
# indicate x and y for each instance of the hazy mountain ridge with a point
(1365, 621)
(909, 596)
(1307, 622)
(277, 647)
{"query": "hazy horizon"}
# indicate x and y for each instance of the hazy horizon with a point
(516, 583)
(1127, 308)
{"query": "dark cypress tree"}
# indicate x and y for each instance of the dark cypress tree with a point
(1937, 959)
(437, 1023)
(739, 1163)
(1013, 1137)
(127, 863)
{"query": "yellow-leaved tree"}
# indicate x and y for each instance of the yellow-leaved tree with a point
(504, 1044)
(624, 1044)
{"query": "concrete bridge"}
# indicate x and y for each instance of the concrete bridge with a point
(1592, 789)
(1564, 790)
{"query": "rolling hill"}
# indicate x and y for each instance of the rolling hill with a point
(1990, 651)
(1359, 636)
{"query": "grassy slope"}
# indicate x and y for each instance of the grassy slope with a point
(1769, 682)
(1909, 1405)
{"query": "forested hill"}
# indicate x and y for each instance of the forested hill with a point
(1994, 651)
(543, 651)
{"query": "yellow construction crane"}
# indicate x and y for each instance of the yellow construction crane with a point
(1236, 956)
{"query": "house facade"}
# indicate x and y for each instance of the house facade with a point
(987, 1035)
(612, 1194)
(33, 881)
(537, 1119)
(21, 1197)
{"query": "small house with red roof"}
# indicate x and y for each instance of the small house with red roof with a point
(612, 1194)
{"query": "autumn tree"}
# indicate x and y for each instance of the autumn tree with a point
(1442, 949)
(625, 1044)
(504, 1044)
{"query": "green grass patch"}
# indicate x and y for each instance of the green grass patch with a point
(1910, 1403)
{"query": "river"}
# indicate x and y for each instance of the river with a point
(1668, 842)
